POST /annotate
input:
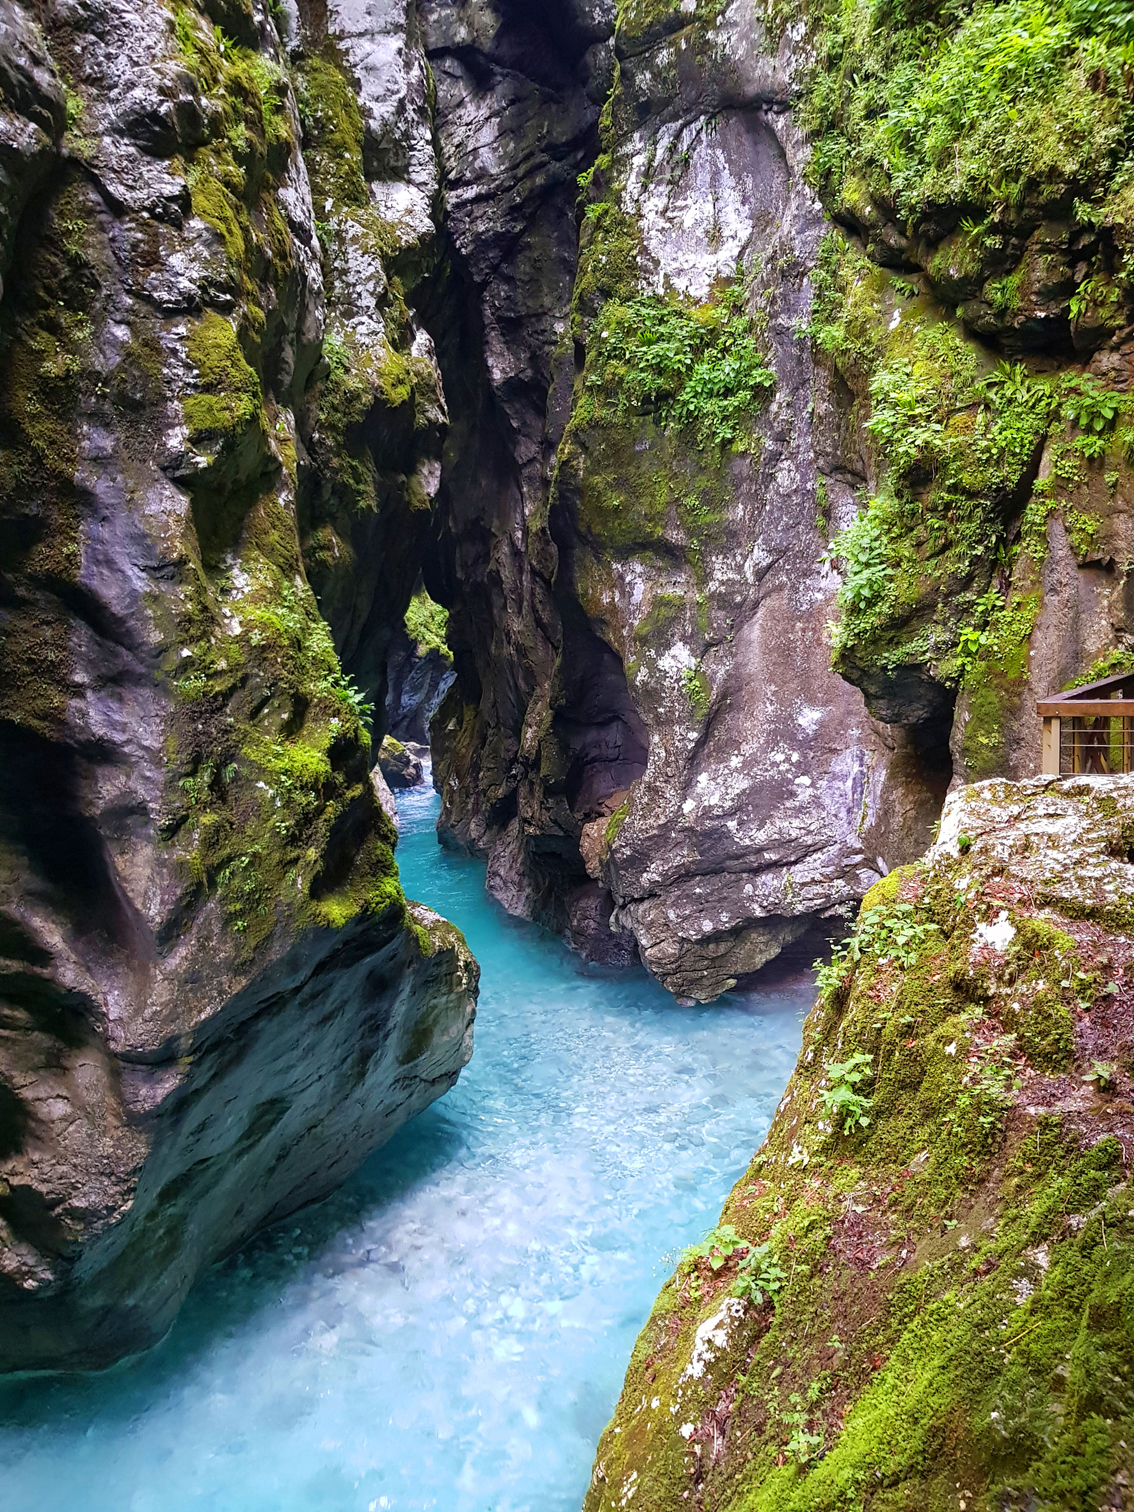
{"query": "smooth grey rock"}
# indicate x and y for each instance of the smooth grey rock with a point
(213, 1003)
(770, 813)
(416, 684)
(147, 1162)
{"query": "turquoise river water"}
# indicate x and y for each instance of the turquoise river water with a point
(449, 1329)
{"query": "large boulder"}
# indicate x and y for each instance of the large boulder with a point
(398, 765)
(921, 1293)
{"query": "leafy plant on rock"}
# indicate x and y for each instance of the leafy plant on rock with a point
(1093, 409)
(842, 1100)
(695, 368)
(759, 1274)
(716, 1247)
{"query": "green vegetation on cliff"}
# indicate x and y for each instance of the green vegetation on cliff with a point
(972, 113)
(942, 566)
(269, 803)
(695, 368)
(427, 624)
(984, 151)
(942, 1207)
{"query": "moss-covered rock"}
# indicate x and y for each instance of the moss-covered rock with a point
(376, 442)
(994, 232)
(685, 501)
(400, 768)
(922, 1291)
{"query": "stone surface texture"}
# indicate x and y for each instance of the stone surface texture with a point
(417, 681)
(214, 1001)
(777, 803)
(399, 766)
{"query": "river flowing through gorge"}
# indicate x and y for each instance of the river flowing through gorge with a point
(451, 1328)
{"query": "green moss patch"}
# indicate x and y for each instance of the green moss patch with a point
(427, 624)
(229, 397)
(945, 1224)
(695, 368)
(271, 805)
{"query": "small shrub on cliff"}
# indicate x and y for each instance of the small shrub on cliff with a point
(888, 934)
(803, 1444)
(696, 368)
(352, 697)
(759, 1275)
(842, 1100)
(864, 551)
(1091, 407)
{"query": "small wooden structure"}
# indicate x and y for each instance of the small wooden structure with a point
(1090, 729)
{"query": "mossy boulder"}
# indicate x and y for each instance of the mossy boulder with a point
(921, 1293)
(400, 767)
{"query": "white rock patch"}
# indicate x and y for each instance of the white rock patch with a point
(997, 935)
(711, 1337)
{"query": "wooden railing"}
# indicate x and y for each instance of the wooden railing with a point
(1089, 729)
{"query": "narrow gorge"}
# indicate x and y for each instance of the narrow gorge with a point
(691, 435)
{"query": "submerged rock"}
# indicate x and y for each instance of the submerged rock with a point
(922, 1291)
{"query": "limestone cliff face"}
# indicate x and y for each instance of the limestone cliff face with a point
(214, 1000)
(975, 312)
(922, 1290)
(519, 90)
(751, 387)
(647, 720)
(840, 387)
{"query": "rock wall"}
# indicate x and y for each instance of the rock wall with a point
(417, 682)
(832, 393)
(751, 388)
(646, 721)
(214, 1000)
(921, 1292)
(519, 89)
(975, 309)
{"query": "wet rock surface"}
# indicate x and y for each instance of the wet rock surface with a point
(417, 682)
(141, 1162)
(399, 766)
(721, 819)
